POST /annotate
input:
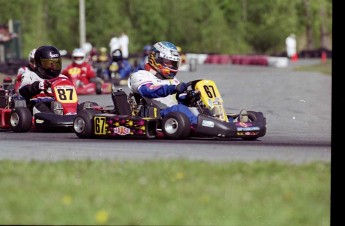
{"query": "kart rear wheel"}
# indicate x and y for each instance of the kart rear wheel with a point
(20, 119)
(83, 123)
(175, 125)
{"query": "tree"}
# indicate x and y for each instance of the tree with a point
(207, 26)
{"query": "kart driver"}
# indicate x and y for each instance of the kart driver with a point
(125, 68)
(47, 60)
(29, 68)
(86, 74)
(158, 83)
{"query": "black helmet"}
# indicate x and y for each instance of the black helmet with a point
(48, 62)
(117, 55)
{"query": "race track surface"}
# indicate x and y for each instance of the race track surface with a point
(297, 106)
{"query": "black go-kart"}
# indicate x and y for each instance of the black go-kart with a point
(134, 116)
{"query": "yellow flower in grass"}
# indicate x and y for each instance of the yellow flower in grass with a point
(102, 217)
(67, 200)
(179, 176)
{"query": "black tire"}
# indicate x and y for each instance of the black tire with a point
(98, 88)
(99, 73)
(176, 125)
(20, 119)
(83, 123)
(258, 118)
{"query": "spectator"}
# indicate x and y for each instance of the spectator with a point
(124, 41)
(291, 45)
(114, 43)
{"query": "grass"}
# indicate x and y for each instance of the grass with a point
(324, 68)
(175, 192)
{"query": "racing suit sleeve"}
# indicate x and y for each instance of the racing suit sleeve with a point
(150, 90)
(28, 91)
(21, 71)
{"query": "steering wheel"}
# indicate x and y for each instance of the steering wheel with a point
(50, 81)
(186, 92)
(190, 95)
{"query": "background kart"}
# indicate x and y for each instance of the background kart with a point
(98, 86)
(133, 116)
(17, 116)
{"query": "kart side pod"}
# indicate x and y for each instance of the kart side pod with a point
(213, 127)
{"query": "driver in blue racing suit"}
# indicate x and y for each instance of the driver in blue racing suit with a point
(125, 68)
(158, 81)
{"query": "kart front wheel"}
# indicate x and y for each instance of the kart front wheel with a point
(82, 124)
(175, 125)
(20, 119)
(259, 119)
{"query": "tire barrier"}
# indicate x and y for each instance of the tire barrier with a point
(261, 60)
(250, 59)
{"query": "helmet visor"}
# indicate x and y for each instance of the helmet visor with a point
(171, 64)
(52, 64)
(78, 58)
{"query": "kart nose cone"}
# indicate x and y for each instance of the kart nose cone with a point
(57, 108)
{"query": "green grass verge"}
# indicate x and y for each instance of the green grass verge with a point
(324, 68)
(174, 192)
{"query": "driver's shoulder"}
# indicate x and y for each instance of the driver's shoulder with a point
(142, 75)
(30, 75)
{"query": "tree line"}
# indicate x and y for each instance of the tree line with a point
(198, 26)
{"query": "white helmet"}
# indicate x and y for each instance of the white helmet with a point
(78, 56)
(32, 58)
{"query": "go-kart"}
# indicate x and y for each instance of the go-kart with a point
(135, 116)
(17, 115)
(94, 86)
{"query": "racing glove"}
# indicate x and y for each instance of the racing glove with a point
(181, 87)
(43, 85)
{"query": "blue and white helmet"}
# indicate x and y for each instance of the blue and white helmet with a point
(165, 59)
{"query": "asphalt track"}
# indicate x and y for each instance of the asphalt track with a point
(297, 106)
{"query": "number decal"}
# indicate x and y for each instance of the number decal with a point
(65, 94)
(210, 91)
(100, 125)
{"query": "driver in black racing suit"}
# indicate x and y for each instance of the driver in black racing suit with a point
(47, 66)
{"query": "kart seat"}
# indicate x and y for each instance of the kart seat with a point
(147, 108)
(121, 105)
